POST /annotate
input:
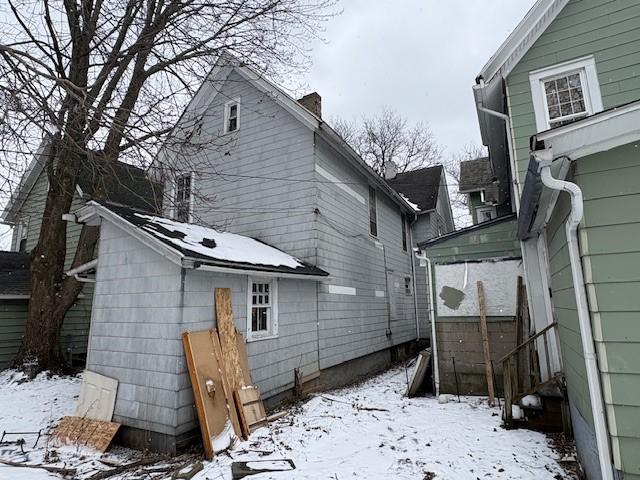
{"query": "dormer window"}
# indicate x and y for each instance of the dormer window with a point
(232, 116)
(565, 93)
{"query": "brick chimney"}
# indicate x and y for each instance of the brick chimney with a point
(313, 103)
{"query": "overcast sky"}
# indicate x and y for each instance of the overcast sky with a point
(419, 57)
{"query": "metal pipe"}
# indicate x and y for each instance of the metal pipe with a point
(512, 155)
(584, 320)
(432, 319)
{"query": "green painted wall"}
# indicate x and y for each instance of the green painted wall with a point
(474, 202)
(610, 251)
(610, 31)
(75, 331)
(607, 29)
(493, 241)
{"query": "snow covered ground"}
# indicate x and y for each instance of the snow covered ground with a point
(368, 431)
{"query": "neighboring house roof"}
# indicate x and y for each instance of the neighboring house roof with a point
(462, 231)
(419, 187)
(15, 276)
(475, 175)
(534, 23)
(209, 89)
(126, 185)
(195, 246)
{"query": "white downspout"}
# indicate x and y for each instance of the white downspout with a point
(593, 374)
(432, 319)
(512, 153)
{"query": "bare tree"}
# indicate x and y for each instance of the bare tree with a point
(460, 201)
(101, 81)
(388, 136)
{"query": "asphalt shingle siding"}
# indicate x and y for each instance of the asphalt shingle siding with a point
(419, 186)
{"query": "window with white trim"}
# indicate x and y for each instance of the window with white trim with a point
(373, 212)
(183, 197)
(565, 93)
(232, 116)
(262, 308)
(21, 235)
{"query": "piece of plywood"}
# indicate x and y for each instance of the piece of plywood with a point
(208, 391)
(232, 409)
(85, 432)
(488, 366)
(243, 357)
(456, 288)
(97, 396)
(422, 364)
(228, 339)
(250, 408)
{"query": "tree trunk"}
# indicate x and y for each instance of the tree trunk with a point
(52, 295)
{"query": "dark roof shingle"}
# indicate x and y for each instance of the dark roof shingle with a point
(419, 186)
(475, 175)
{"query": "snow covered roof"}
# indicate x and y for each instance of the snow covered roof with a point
(205, 246)
(15, 276)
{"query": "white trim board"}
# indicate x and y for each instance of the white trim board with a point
(340, 290)
(321, 171)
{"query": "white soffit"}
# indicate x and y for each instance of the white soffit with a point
(599, 133)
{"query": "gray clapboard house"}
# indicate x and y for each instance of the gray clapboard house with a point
(128, 185)
(267, 167)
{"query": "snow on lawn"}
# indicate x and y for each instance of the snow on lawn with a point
(336, 436)
(369, 431)
(30, 406)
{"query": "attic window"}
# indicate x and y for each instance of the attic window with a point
(373, 213)
(403, 218)
(565, 93)
(22, 233)
(232, 116)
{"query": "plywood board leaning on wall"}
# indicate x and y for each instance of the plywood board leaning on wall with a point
(84, 432)
(213, 403)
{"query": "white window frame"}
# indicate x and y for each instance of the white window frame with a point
(375, 210)
(175, 196)
(22, 232)
(272, 330)
(586, 66)
(227, 113)
(479, 210)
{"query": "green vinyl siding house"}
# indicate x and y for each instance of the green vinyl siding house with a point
(561, 100)
(129, 186)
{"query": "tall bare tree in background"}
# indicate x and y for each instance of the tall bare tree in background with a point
(388, 136)
(99, 81)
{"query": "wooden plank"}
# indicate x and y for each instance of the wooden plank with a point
(250, 407)
(208, 389)
(422, 364)
(244, 358)
(85, 432)
(228, 339)
(232, 409)
(485, 344)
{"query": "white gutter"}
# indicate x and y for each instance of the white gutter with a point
(432, 318)
(512, 155)
(545, 158)
(75, 272)
(188, 263)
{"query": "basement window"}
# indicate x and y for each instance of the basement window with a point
(183, 200)
(262, 318)
(565, 93)
(232, 116)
